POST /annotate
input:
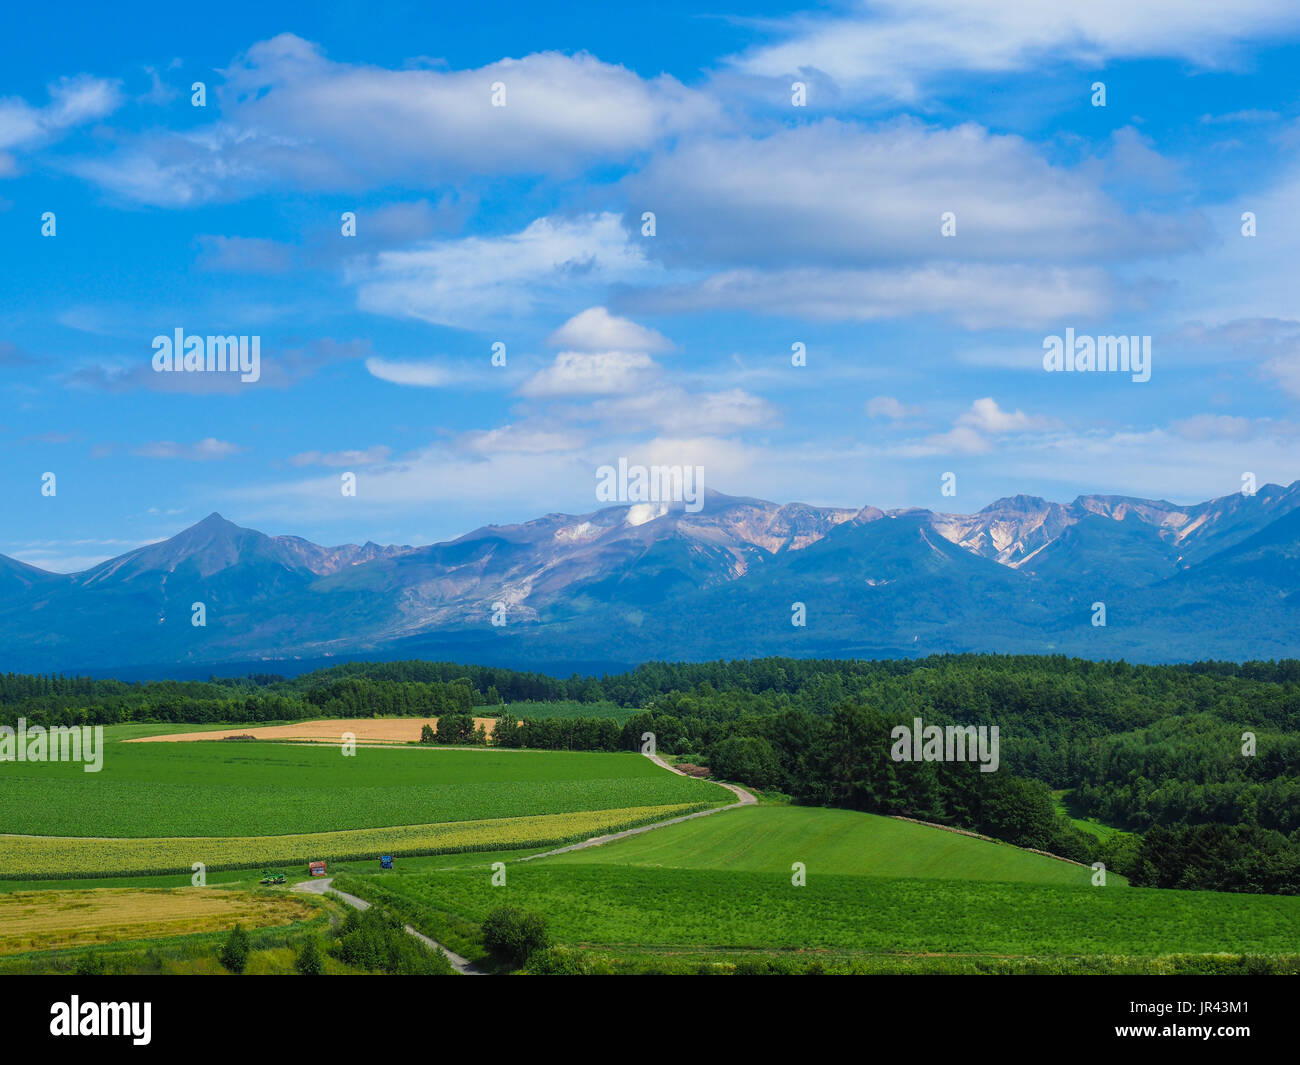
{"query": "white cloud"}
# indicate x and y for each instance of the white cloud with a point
(889, 407)
(417, 374)
(364, 457)
(627, 391)
(772, 215)
(1154, 463)
(204, 450)
(595, 329)
(959, 440)
(520, 439)
(1271, 346)
(1135, 163)
(70, 556)
(577, 373)
(73, 102)
(986, 416)
(292, 117)
(971, 433)
(672, 409)
(834, 193)
(895, 47)
(1250, 115)
(477, 280)
(974, 295)
(1216, 427)
(1285, 371)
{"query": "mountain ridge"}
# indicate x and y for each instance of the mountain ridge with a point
(654, 580)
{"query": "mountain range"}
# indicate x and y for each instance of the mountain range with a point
(630, 583)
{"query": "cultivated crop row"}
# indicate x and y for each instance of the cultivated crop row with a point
(243, 789)
(56, 857)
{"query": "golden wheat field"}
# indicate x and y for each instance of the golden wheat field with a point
(49, 920)
(331, 730)
(47, 857)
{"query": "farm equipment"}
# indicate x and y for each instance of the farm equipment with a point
(385, 861)
(269, 876)
(316, 868)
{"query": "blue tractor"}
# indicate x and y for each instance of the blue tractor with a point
(385, 861)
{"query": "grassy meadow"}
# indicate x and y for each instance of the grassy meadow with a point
(768, 839)
(880, 895)
(54, 857)
(237, 788)
(689, 909)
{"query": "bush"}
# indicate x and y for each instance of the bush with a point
(513, 934)
(1019, 811)
(234, 954)
(308, 961)
(89, 965)
(455, 728)
(376, 940)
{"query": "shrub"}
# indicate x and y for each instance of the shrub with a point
(89, 965)
(308, 961)
(513, 934)
(376, 940)
(455, 728)
(234, 953)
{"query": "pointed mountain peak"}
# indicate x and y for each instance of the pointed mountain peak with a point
(212, 528)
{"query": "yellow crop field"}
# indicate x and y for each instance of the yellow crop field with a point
(330, 730)
(49, 920)
(50, 857)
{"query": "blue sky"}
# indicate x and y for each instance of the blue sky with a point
(775, 225)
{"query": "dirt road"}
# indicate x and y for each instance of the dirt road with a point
(321, 885)
(744, 799)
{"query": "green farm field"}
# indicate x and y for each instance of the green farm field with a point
(875, 887)
(55, 857)
(767, 839)
(676, 909)
(230, 788)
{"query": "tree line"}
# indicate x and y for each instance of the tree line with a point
(1156, 750)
